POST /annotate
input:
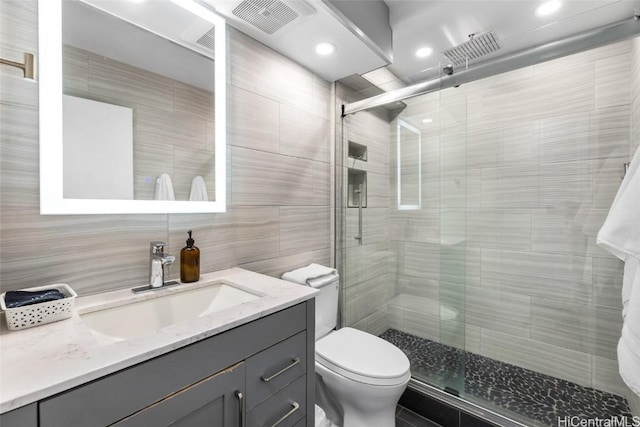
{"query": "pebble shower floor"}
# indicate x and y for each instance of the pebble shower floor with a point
(540, 398)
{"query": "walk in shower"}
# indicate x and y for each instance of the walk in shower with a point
(466, 221)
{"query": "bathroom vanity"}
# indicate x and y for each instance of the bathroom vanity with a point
(252, 364)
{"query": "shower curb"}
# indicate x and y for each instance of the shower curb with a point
(420, 396)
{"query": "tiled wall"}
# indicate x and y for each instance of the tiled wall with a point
(172, 121)
(279, 190)
(519, 171)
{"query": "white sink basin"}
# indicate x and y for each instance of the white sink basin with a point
(139, 318)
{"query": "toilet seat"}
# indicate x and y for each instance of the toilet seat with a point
(363, 357)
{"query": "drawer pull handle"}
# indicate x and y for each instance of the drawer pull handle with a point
(295, 405)
(295, 361)
(241, 406)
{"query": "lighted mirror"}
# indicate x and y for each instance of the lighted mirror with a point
(132, 107)
(409, 167)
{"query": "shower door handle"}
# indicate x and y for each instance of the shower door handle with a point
(359, 236)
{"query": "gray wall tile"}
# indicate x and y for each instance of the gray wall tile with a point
(606, 377)
(499, 228)
(304, 135)
(303, 229)
(258, 69)
(277, 266)
(254, 121)
(548, 359)
(613, 79)
(607, 282)
(366, 298)
(266, 179)
(422, 260)
(580, 327)
(366, 262)
(537, 274)
(499, 311)
(375, 226)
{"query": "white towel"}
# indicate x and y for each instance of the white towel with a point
(198, 190)
(314, 275)
(164, 188)
(620, 235)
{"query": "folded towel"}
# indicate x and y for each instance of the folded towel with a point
(314, 275)
(620, 235)
(164, 188)
(14, 299)
(198, 190)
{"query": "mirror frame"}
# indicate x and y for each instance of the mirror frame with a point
(52, 201)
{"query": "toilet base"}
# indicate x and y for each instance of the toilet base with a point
(360, 405)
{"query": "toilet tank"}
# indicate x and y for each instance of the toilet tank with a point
(327, 308)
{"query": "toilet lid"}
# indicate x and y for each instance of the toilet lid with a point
(363, 357)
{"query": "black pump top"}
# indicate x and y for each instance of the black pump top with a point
(190, 241)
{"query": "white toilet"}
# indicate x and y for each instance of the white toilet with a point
(366, 374)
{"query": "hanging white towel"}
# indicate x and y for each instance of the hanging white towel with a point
(314, 275)
(620, 235)
(164, 188)
(198, 190)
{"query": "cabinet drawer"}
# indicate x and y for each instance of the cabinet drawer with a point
(275, 368)
(283, 409)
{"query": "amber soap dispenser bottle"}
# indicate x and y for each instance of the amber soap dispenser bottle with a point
(189, 262)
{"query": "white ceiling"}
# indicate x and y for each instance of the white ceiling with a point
(297, 40)
(437, 24)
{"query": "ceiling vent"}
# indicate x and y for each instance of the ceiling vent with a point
(271, 15)
(474, 48)
(200, 36)
(208, 40)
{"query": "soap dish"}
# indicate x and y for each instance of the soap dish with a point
(42, 313)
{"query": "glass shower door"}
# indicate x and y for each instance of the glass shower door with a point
(404, 280)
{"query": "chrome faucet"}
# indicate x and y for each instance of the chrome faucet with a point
(158, 259)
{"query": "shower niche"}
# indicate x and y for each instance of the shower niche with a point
(357, 151)
(357, 178)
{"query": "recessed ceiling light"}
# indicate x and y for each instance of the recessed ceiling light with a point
(427, 120)
(423, 52)
(325, 48)
(547, 8)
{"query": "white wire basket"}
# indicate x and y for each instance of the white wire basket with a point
(41, 313)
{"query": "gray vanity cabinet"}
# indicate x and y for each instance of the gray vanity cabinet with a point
(214, 401)
(257, 374)
(27, 416)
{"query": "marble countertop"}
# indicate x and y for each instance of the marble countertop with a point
(41, 361)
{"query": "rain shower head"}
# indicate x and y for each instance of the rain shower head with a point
(474, 48)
